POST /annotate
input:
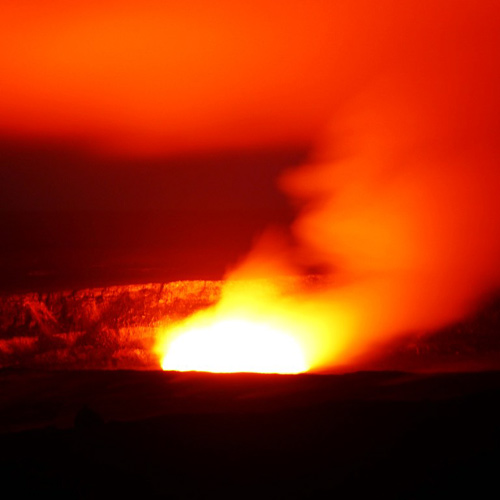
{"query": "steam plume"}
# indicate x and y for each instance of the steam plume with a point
(401, 199)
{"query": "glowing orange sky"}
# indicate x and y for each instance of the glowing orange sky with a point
(162, 76)
(171, 75)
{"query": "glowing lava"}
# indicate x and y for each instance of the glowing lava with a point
(257, 326)
(235, 345)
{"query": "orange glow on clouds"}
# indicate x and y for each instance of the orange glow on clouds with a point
(154, 76)
(148, 76)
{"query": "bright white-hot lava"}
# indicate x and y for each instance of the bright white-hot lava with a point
(235, 345)
(255, 327)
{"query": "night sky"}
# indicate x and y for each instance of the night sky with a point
(70, 218)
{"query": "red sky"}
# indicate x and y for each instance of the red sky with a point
(165, 76)
(155, 77)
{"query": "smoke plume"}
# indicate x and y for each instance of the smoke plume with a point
(400, 202)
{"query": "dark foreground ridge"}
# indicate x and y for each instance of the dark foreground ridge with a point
(125, 434)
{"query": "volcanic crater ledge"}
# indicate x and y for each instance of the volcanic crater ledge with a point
(115, 328)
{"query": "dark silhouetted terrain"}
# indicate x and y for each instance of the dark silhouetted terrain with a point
(119, 434)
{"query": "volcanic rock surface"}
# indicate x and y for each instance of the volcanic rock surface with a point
(115, 328)
(100, 328)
